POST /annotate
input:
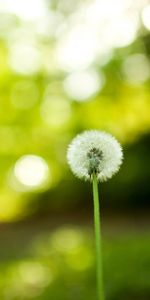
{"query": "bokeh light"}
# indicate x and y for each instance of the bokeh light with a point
(146, 16)
(21, 9)
(68, 66)
(124, 31)
(82, 85)
(25, 58)
(136, 68)
(67, 240)
(34, 273)
(31, 171)
(77, 49)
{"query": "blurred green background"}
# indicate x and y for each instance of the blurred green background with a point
(68, 66)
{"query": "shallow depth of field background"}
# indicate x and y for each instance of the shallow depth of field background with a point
(68, 66)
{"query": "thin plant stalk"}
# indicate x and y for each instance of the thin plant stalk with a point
(95, 155)
(100, 287)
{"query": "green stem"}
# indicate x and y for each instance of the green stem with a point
(98, 239)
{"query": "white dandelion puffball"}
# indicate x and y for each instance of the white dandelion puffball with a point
(96, 152)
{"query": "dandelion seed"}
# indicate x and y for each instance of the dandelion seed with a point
(94, 151)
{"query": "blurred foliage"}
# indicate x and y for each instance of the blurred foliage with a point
(68, 66)
(62, 72)
(61, 265)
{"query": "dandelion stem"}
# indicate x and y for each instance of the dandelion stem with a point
(100, 288)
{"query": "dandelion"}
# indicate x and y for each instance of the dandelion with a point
(96, 156)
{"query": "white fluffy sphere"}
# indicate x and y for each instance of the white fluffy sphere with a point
(94, 151)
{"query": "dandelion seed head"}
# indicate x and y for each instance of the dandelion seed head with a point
(96, 152)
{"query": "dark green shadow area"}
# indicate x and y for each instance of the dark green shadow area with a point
(40, 262)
